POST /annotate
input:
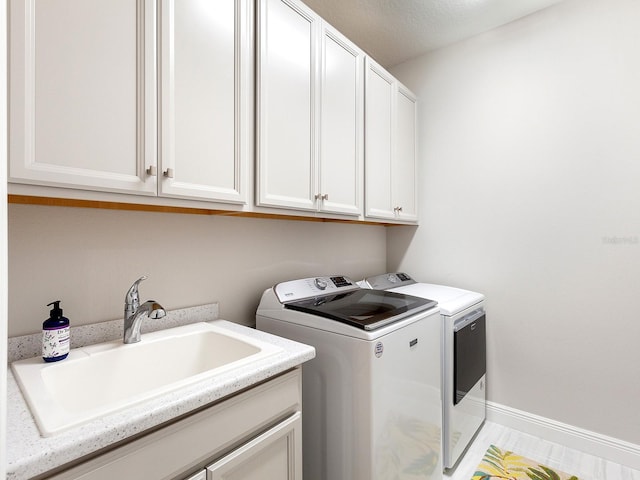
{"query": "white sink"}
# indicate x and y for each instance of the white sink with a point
(100, 379)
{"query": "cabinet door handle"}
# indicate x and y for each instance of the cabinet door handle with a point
(325, 196)
(397, 209)
(320, 196)
(168, 173)
(152, 170)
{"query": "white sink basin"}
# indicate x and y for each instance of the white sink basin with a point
(100, 379)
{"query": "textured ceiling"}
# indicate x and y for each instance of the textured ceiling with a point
(392, 31)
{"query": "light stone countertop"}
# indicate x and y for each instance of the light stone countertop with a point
(29, 454)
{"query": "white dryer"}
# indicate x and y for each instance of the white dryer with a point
(371, 396)
(463, 357)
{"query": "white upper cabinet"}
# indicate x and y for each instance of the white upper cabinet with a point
(205, 80)
(156, 98)
(405, 175)
(309, 112)
(379, 125)
(390, 145)
(82, 94)
(84, 90)
(341, 128)
(287, 107)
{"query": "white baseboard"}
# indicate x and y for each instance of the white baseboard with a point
(593, 443)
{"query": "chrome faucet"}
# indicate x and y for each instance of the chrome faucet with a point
(134, 312)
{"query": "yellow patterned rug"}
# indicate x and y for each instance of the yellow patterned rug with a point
(505, 465)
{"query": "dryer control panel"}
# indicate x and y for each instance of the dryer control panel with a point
(389, 280)
(303, 288)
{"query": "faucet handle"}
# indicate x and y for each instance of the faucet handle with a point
(132, 298)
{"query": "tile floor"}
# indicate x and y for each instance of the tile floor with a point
(553, 455)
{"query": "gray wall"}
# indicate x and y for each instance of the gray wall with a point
(88, 259)
(530, 193)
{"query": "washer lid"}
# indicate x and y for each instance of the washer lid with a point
(363, 308)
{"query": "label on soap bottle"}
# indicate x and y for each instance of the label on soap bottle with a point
(55, 343)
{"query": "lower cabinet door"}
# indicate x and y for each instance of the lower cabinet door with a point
(201, 475)
(275, 455)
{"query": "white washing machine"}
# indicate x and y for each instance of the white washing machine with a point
(371, 396)
(463, 357)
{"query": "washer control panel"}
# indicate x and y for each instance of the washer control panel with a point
(294, 290)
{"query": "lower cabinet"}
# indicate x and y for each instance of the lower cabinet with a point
(274, 455)
(256, 434)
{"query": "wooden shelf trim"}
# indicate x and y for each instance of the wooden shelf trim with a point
(75, 203)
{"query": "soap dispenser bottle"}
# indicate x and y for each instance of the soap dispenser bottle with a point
(55, 335)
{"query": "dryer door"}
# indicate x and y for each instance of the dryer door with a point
(469, 353)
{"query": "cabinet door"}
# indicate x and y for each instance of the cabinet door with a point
(201, 475)
(274, 455)
(205, 91)
(405, 162)
(379, 141)
(287, 104)
(341, 133)
(82, 94)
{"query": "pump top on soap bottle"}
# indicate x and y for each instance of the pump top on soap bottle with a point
(55, 335)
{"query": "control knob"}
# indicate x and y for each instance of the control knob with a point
(320, 283)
